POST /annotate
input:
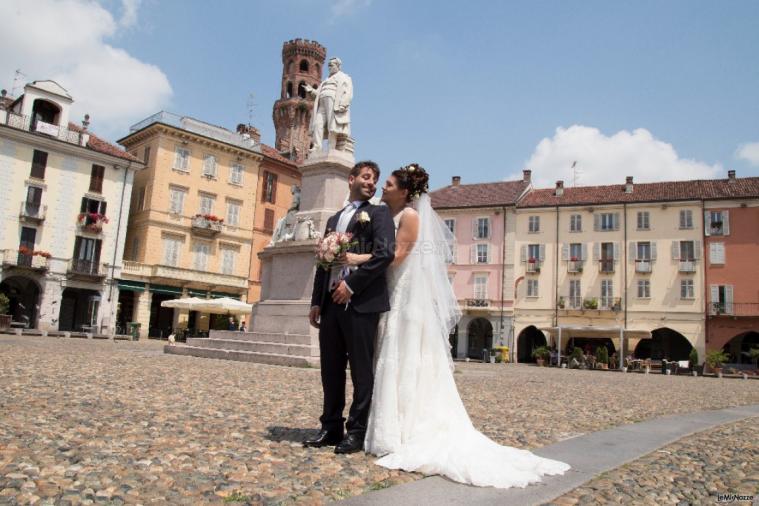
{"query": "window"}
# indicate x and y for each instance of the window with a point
(575, 294)
(235, 174)
(201, 251)
(146, 155)
(721, 299)
(182, 159)
(717, 252)
(534, 224)
(717, 222)
(686, 289)
(176, 200)
(644, 289)
(87, 255)
(606, 221)
(96, 178)
(533, 253)
(228, 256)
(39, 163)
(607, 293)
(33, 202)
(643, 251)
(482, 253)
(141, 199)
(27, 241)
(233, 212)
(135, 248)
(482, 228)
(686, 218)
(608, 256)
(93, 206)
(451, 224)
(269, 220)
(687, 251)
(532, 287)
(644, 220)
(575, 223)
(269, 193)
(209, 166)
(480, 286)
(171, 247)
(575, 252)
(206, 203)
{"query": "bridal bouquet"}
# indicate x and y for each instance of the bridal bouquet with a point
(331, 247)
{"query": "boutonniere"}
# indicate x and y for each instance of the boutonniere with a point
(363, 217)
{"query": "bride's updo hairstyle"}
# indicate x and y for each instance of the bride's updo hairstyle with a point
(413, 178)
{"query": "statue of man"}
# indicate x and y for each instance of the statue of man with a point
(331, 113)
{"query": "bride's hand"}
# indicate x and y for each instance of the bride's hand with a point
(352, 258)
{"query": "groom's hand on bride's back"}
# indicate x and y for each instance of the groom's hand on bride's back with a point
(313, 316)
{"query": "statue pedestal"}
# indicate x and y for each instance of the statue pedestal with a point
(279, 332)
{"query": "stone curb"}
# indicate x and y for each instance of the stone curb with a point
(589, 455)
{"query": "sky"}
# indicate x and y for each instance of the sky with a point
(478, 89)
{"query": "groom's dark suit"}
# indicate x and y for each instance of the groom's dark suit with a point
(348, 334)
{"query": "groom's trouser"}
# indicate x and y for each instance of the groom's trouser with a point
(346, 336)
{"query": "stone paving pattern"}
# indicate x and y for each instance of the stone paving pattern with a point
(85, 421)
(693, 470)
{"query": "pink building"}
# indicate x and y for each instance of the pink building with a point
(482, 218)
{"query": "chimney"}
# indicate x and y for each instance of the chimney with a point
(731, 175)
(84, 135)
(629, 184)
(249, 132)
(527, 175)
(455, 180)
(559, 188)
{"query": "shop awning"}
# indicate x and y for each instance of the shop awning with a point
(133, 286)
(220, 295)
(192, 292)
(165, 289)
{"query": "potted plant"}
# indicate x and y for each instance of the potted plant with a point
(591, 303)
(5, 318)
(577, 356)
(561, 302)
(754, 355)
(715, 359)
(541, 353)
(693, 359)
(602, 357)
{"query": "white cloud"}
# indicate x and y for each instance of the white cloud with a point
(605, 159)
(65, 40)
(749, 152)
(345, 7)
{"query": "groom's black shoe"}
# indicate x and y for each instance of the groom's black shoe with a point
(323, 438)
(351, 444)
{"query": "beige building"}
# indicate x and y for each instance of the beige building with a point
(64, 200)
(191, 226)
(602, 264)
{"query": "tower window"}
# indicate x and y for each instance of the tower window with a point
(302, 89)
(304, 66)
(289, 89)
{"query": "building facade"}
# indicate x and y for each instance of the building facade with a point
(64, 201)
(190, 231)
(482, 220)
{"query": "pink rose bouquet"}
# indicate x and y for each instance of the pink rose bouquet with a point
(331, 247)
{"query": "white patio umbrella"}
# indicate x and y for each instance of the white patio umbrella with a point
(224, 305)
(189, 303)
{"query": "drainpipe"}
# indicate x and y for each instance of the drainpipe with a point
(556, 274)
(707, 292)
(513, 324)
(624, 271)
(503, 270)
(118, 229)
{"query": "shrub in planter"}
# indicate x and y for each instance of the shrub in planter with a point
(715, 359)
(602, 357)
(590, 303)
(693, 358)
(542, 353)
(577, 355)
(754, 355)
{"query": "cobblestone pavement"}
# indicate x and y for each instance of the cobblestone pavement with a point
(120, 422)
(695, 470)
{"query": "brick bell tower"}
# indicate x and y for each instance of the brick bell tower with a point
(302, 62)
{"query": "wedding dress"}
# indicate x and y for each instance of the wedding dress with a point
(418, 422)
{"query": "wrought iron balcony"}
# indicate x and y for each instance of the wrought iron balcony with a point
(202, 225)
(23, 260)
(734, 308)
(86, 268)
(574, 302)
(687, 266)
(477, 302)
(643, 266)
(575, 266)
(32, 212)
(610, 304)
(533, 266)
(606, 265)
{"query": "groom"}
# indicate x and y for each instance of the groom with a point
(345, 307)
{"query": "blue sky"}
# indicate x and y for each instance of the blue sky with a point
(658, 90)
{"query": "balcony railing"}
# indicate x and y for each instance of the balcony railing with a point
(204, 226)
(606, 265)
(12, 257)
(610, 304)
(734, 308)
(574, 302)
(477, 302)
(716, 228)
(163, 273)
(86, 268)
(533, 267)
(643, 266)
(22, 122)
(687, 266)
(32, 212)
(574, 266)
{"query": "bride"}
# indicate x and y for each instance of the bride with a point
(417, 421)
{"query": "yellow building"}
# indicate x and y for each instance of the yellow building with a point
(191, 223)
(606, 264)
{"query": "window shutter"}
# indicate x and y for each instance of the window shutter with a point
(725, 222)
(675, 250)
(616, 221)
(713, 253)
(83, 208)
(633, 250)
(565, 252)
(707, 222)
(274, 189)
(473, 254)
(653, 251)
(714, 298)
(584, 252)
(596, 252)
(697, 250)
(474, 228)
(616, 252)
(542, 252)
(103, 206)
(729, 299)
(596, 222)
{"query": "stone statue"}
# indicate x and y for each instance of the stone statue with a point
(332, 103)
(285, 229)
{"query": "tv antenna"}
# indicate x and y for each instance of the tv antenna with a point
(251, 105)
(576, 173)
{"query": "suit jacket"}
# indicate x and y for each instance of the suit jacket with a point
(368, 282)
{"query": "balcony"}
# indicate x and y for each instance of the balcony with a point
(570, 303)
(25, 123)
(86, 269)
(533, 266)
(207, 225)
(643, 266)
(610, 304)
(171, 274)
(91, 222)
(606, 265)
(31, 212)
(716, 228)
(687, 266)
(475, 303)
(37, 260)
(734, 309)
(575, 266)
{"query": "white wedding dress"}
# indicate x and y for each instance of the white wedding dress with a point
(417, 421)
